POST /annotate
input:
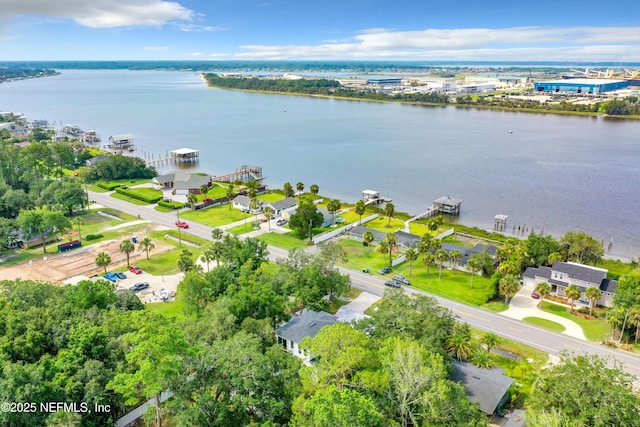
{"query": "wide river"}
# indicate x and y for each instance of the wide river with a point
(547, 172)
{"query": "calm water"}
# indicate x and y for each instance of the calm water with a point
(553, 173)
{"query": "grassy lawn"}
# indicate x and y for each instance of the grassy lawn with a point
(167, 262)
(242, 228)
(544, 323)
(146, 192)
(170, 308)
(381, 222)
(596, 330)
(216, 216)
(271, 197)
(97, 189)
(497, 306)
(283, 241)
(334, 306)
(130, 182)
(129, 199)
(454, 285)
(215, 192)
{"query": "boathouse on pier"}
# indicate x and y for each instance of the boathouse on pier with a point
(185, 155)
(447, 205)
(120, 142)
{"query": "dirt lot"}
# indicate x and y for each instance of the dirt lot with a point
(58, 267)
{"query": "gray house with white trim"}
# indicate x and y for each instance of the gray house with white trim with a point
(305, 323)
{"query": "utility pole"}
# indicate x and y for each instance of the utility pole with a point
(179, 231)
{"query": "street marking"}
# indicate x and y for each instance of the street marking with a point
(472, 315)
(515, 329)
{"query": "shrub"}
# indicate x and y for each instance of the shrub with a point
(93, 236)
(138, 196)
(171, 205)
(108, 185)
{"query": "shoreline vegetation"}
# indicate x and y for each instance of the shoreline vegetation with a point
(330, 88)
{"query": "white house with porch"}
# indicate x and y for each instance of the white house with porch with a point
(305, 323)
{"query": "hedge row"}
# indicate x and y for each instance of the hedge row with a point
(171, 205)
(138, 196)
(108, 185)
(93, 236)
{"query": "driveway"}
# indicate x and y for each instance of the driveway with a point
(355, 309)
(522, 305)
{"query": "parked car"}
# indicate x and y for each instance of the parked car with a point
(400, 278)
(120, 275)
(392, 283)
(535, 295)
(207, 200)
(111, 276)
(134, 269)
(182, 224)
(281, 222)
(385, 270)
(139, 286)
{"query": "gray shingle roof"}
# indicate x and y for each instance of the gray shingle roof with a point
(306, 324)
(580, 272)
(359, 231)
(484, 386)
(542, 271)
(242, 200)
(287, 203)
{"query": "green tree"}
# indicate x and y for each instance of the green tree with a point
(192, 199)
(360, 209)
(333, 206)
(455, 256)
(252, 188)
(146, 245)
(156, 358)
(185, 261)
(103, 259)
(389, 211)
(458, 344)
(367, 237)
(314, 189)
(268, 212)
(593, 294)
(42, 223)
(585, 390)
(87, 293)
(287, 189)
(428, 258)
(543, 289)
(435, 223)
(573, 293)
(490, 340)
(508, 287)
(481, 358)
(391, 241)
(231, 193)
(539, 248)
(127, 247)
(300, 187)
(442, 256)
(78, 222)
(305, 219)
(411, 255)
(217, 234)
(581, 248)
(204, 189)
(474, 265)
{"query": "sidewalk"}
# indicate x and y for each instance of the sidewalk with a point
(522, 305)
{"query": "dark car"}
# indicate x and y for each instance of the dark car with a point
(400, 278)
(120, 275)
(392, 283)
(385, 270)
(139, 286)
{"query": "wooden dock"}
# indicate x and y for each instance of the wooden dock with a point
(243, 173)
(443, 205)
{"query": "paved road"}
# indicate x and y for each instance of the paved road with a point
(550, 342)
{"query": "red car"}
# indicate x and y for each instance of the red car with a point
(134, 269)
(535, 295)
(182, 224)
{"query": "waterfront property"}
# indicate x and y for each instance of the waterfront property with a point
(121, 142)
(563, 274)
(282, 205)
(185, 155)
(16, 130)
(182, 182)
(305, 323)
(242, 202)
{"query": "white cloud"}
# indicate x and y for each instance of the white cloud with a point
(518, 43)
(100, 13)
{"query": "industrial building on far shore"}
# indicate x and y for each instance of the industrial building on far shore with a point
(584, 86)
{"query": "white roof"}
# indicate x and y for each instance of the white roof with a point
(123, 137)
(372, 192)
(184, 151)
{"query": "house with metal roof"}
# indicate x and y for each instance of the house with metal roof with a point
(489, 388)
(182, 182)
(563, 274)
(305, 323)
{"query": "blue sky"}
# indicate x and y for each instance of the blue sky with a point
(341, 30)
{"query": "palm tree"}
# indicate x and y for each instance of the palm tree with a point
(254, 204)
(78, 221)
(146, 245)
(389, 210)
(314, 189)
(268, 212)
(428, 258)
(481, 358)
(103, 260)
(617, 316)
(360, 209)
(507, 267)
(192, 199)
(287, 189)
(231, 192)
(434, 223)
(555, 256)
(333, 206)
(207, 256)
(300, 187)
(593, 295)
(573, 293)
(126, 247)
(441, 256)
(508, 287)
(217, 249)
(455, 256)
(204, 189)
(458, 344)
(383, 247)
(252, 188)
(634, 319)
(491, 340)
(217, 233)
(411, 255)
(367, 237)
(474, 265)
(543, 289)
(392, 241)
(185, 263)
